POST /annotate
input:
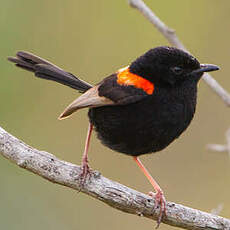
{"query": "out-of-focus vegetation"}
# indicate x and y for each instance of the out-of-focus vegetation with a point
(92, 39)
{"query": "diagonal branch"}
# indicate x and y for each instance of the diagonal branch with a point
(172, 38)
(112, 193)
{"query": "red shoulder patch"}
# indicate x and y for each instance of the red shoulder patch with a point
(125, 77)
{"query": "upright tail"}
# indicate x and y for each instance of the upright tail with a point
(46, 70)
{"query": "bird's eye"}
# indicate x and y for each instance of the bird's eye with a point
(177, 70)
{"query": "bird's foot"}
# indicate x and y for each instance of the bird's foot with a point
(85, 172)
(159, 201)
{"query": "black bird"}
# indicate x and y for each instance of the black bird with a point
(139, 109)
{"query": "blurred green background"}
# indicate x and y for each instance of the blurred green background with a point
(93, 39)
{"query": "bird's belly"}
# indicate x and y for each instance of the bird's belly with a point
(137, 129)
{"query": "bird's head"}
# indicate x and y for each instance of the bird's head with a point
(169, 66)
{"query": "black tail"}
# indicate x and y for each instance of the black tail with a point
(46, 70)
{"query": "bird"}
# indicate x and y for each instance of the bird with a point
(139, 109)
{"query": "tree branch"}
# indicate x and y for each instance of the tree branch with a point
(112, 193)
(172, 38)
(221, 148)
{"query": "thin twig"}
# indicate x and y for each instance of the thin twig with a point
(222, 148)
(217, 210)
(172, 38)
(112, 193)
(217, 147)
(227, 135)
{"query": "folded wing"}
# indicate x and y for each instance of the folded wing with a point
(106, 93)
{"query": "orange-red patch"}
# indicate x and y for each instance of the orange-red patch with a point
(124, 77)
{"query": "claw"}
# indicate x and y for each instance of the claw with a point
(159, 201)
(85, 172)
(85, 169)
(159, 196)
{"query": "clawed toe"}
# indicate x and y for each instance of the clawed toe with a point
(159, 201)
(86, 171)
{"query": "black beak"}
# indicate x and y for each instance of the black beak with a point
(205, 68)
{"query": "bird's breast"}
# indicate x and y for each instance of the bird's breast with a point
(143, 127)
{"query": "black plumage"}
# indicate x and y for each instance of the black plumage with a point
(148, 125)
(142, 123)
(138, 110)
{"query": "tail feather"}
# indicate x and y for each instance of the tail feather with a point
(46, 70)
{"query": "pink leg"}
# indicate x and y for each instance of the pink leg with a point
(159, 196)
(84, 164)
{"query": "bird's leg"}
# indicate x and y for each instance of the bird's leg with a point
(84, 165)
(159, 196)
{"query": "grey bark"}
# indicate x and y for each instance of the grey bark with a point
(112, 193)
(172, 38)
